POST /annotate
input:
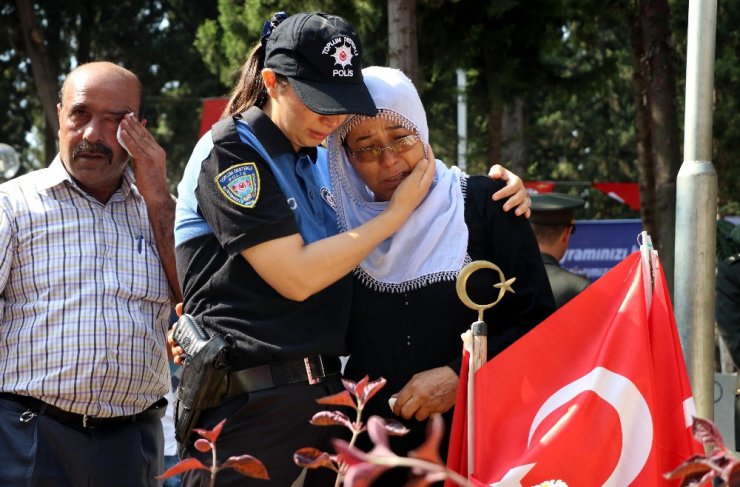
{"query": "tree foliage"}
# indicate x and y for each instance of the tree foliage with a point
(154, 39)
(726, 127)
(567, 61)
(225, 42)
(17, 95)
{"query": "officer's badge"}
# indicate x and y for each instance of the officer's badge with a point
(240, 184)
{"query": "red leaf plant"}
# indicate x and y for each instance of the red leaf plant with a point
(356, 468)
(244, 464)
(719, 463)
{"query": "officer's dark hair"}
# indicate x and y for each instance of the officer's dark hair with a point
(250, 89)
(548, 234)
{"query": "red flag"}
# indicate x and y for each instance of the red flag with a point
(537, 187)
(457, 453)
(595, 395)
(626, 193)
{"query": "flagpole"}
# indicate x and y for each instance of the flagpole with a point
(696, 210)
(478, 357)
(476, 339)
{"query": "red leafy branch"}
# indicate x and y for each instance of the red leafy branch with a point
(719, 463)
(244, 464)
(359, 469)
(425, 463)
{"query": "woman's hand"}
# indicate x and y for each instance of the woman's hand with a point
(428, 392)
(514, 190)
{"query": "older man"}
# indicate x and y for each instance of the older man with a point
(86, 253)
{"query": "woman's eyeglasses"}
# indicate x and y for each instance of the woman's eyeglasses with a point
(374, 153)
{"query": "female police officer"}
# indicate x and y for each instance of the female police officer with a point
(257, 252)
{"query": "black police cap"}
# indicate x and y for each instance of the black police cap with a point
(322, 57)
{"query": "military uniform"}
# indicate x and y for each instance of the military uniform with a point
(556, 210)
(727, 310)
(565, 284)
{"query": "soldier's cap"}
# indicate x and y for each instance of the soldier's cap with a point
(554, 208)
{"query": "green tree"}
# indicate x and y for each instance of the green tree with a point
(17, 93)
(726, 140)
(152, 38)
(225, 42)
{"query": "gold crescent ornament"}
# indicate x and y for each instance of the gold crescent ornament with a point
(462, 280)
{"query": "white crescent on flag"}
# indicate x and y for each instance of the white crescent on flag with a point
(513, 477)
(635, 419)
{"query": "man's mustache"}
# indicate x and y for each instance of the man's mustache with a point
(96, 148)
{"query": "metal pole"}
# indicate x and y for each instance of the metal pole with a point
(696, 210)
(476, 340)
(462, 120)
(478, 357)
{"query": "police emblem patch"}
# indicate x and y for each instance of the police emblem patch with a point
(344, 50)
(240, 184)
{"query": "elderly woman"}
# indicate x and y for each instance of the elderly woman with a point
(406, 318)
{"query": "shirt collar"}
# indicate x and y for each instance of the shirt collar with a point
(58, 174)
(271, 137)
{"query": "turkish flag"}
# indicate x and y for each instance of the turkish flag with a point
(539, 187)
(457, 452)
(597, 394)
(626, 193)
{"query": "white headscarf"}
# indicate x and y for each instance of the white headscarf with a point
(432, 245)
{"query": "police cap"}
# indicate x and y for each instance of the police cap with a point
(554, 208)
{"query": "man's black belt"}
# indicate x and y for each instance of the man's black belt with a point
(153, 412)
(312, 370)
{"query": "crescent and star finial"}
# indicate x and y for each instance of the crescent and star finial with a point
(462, 280)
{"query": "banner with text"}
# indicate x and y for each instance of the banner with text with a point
(599, 245)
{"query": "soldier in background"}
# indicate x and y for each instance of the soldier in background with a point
(728, 289)
(727, 292)
(553, 223)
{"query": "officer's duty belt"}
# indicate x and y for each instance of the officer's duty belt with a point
(312, 370)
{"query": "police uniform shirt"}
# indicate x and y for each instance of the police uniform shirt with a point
(244, 185)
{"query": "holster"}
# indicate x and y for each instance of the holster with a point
(203, 380)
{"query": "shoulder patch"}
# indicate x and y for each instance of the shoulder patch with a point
(240, 184)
